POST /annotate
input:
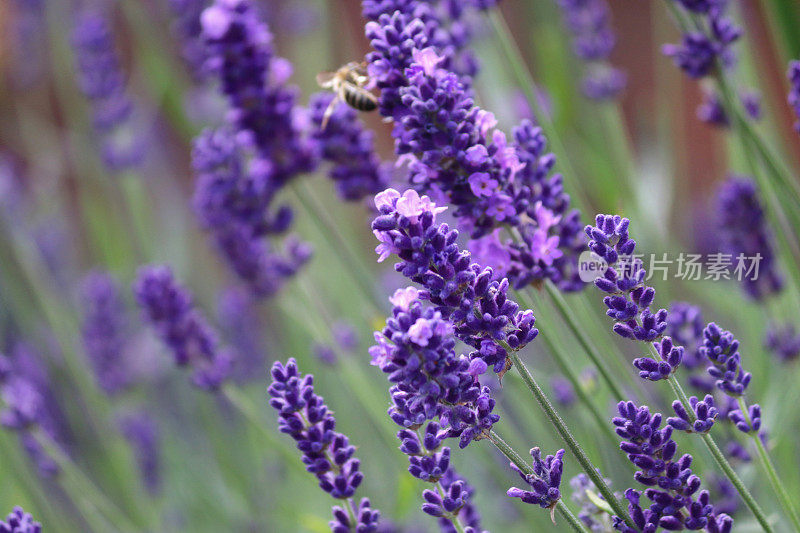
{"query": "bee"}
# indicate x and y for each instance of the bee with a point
(348, 84)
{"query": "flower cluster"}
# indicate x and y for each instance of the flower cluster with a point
(105, 328)
(701, 419)
(397, 27)
(142, 433)
(783, 341)
(707, 50)
(699, 53)
(429, 461)
(357, 171)
(721, 349)
(417, 350)
(168, 308)
(18, 521)
(464, 293)
(186, 26)
(743, 230)
(592, 41)
(629, 298)
(101, 79)
(794, 92)
(453, 150)
(26, 391)
(326, 453)
(253, 80)
(242, 169)
(235, 200)
(676, 504)
(670, 357)
(545, 482)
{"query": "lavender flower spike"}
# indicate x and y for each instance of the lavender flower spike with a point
(704, 414)
(676, 504)
(168, 308)
(745, 235)
(592, 41)
(794, 92)
(629, 298)
(102, 81)
(545, 481)
(462, 291)
(722, 351)
(18, 521)
(326, 453)
(105, 331)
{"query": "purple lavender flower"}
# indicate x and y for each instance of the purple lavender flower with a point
(711, 111)
(18, 521)
(240, 325)
(102, 81)
(794, 92)
(168, 308)
(563, 393)
(234, 200)
(721, 349)
(744, 233)
(703, 413)
(629, 298)
(366, 519)
(141, 432)
(357, 171)
(326, 453)
(105, 330)
(750, 423)
(783, 341)
(462, 291)
(699, 53)
(253, 80)
(454, 151)
(187, 27)
(429, 461)
(26, 391)
(593, 517)
(670, 357)
(676, 504)
(416, 349)
(592, 41)
(545, 481)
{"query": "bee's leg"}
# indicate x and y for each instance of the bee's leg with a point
(329, 111)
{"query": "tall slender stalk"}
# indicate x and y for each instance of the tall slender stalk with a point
(772, 474)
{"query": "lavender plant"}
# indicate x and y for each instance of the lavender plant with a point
(209, 119)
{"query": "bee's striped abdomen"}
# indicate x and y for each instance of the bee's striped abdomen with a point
(359, 98)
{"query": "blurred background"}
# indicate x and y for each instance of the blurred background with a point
(195, 461)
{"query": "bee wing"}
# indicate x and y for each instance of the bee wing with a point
(325, 79)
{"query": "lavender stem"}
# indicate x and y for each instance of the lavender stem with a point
(766, 461)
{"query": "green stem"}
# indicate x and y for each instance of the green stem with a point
(583, 339)
(766, 462)
(567, 436)
(560, 357)
(100, 511)
(528, 85)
